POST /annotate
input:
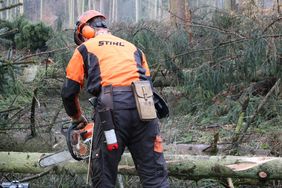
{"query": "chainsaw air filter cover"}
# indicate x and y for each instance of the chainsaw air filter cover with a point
(79, 141)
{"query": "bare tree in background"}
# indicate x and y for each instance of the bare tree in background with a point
(180, 15)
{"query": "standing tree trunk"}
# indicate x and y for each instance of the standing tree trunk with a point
(279, 6)
(233, 5)
(177, 12)
(41, 10)
(137, 7)
(180, 15)
(188, 21)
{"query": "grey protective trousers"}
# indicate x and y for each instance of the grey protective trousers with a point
(140, 138)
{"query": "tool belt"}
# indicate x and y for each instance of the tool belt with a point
(144, 100)
(107, 97)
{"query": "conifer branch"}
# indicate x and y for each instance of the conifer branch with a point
(269, 25)
(9, 32)
(11, 6)
(42, 53)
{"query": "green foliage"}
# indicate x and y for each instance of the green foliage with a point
(29, 36)
(32, 36)
(228, 49)
(59, 40)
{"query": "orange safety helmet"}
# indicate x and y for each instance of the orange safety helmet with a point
(83, 30)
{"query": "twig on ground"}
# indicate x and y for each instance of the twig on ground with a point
(230, 183)
(9, 110)
(37, 175)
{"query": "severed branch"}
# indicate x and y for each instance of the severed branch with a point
(257, 111)
(240, 121)
(32, 114)
(42, 53)
(13, 31)
(9, 110)
(212, 149)
(220, 45)
(11, 6)
(37, 175)
(267, 27)
(7, 63)
(230, 183)
(194, 24)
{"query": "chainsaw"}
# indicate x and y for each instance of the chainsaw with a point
(79, 140)
(78, 143)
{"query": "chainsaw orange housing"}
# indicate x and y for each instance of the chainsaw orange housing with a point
(88, 131)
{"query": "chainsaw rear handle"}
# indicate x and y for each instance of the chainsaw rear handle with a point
(69, 142)
(86, 132)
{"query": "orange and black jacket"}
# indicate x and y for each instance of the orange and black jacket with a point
(103, 60)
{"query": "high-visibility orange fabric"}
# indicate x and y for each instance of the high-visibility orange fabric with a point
(158, 145)
(75, 68)
(117, 62)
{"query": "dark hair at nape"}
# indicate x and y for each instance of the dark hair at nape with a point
(98, 22)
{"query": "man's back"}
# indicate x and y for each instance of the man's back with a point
(110, 65)
(111, 60)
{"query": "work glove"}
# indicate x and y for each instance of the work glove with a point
(81, 122)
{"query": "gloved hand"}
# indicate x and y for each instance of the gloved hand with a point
(81, 121)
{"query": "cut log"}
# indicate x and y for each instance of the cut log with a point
(179, 166)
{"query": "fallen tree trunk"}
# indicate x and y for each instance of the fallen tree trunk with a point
(180, 166)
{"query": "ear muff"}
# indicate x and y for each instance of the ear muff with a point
(88, 32)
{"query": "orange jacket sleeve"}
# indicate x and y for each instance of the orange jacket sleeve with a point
(75, 68)
(71, 88)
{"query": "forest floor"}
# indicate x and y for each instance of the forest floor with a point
(180, 136)
(176, 130)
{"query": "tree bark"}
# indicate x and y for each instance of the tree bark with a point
(233, 5)
(180, 166)
(177, 12)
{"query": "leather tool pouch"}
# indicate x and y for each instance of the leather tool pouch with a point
(144, 100)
